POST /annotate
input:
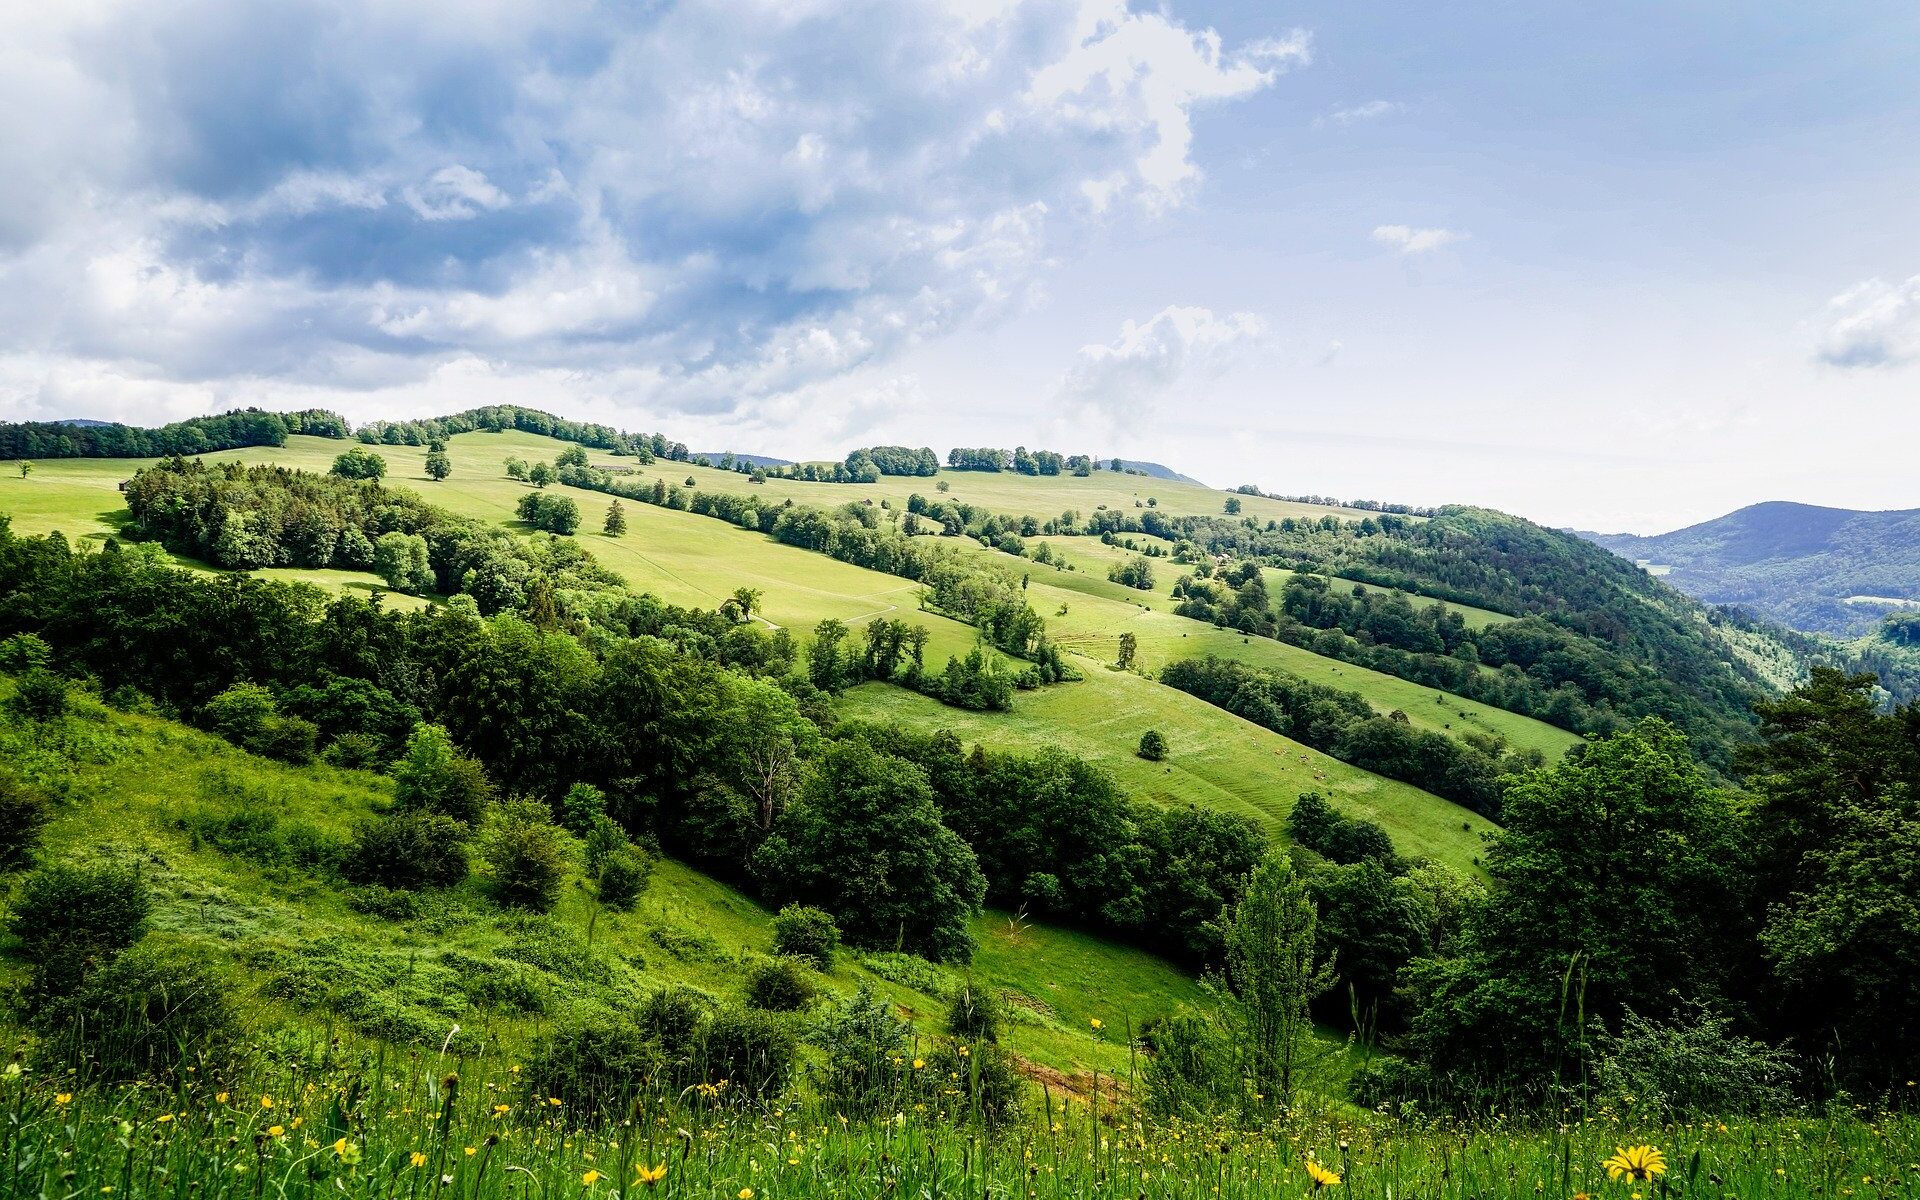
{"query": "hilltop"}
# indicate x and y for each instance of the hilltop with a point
(1824, 570)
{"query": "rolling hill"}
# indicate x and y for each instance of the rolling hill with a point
(1824, 570)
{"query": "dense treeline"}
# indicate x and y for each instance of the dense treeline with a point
(196, 435)
(500, 418)
(1650, 935)
(244, 517)
(698, 733)
(1466, 771)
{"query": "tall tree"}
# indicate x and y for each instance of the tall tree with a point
(1275, 971)
(616, 523)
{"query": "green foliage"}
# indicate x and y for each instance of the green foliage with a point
(157, 1011)
(1136, 572)
(23, 814)
(1191, 1071)
(1317, 825)
(525, 858)
(23, 652)
(402, 560)
(39, 695)
(616, 523)
(552, 513)
(864, 841)
(71, 920)
(1691, 1067)
(408, 850)
(621, 877)
(803, 931)
(247, 715)
(864, 1051)
(434, 777)
(360, 464)
(975, 1014)
(753, 1051)
(196, 435)
(1276, 970)
(438, 465)
(1153, 746)
(779, 985)
(598, 1065)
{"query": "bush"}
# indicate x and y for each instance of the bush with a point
(354, 751)
(23, 813)
(246, 715)
(40, 695)
(523, 853)
(1694, 1066)
(155, 1011)
(865, 1052)
(975, 1015)
(753, 1051)
(409, 850)
(803, 931)
(595, 1066)
(433, 776)
(71, 920)
(972, 1082)
(1190, 1068)
(779, 985)
(23, 652)
(671, 1018)
(290, 740)
(1153, 746)
(583, 808)
(623, 876)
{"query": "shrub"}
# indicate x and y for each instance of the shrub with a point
(623, 876)
(1190, 1070)
(975, 1014)
(779, 985)
(433, 776)
(290, 740)
(1153, 746)
(1693, 1066)
(523, 853)
(671, 1018)
(246, 715)
(40, 695)
(583, 807)
(803, 931)
(753, 1051)
(865, 1052)
(980, 1084)
(23, 652)
(409, 850)
(23, 813)
(354, 751)
(595, 1066)
(155, 1011)
(72, 920)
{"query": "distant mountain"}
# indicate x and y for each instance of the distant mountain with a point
(758, 460)
(1155, 470)
(1824, 570)
(83, 422)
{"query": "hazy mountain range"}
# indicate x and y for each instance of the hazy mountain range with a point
(1826, 570)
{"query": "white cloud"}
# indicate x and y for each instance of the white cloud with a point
(1123, 383)
(1353, 114)
(1409, 240)
(1873, 324)
(693, 207)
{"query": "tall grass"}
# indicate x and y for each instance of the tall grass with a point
(325, 1118)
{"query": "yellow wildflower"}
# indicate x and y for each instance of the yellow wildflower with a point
(1321, 1176)
(220, 1098)
(418, 1158)
(746, 1194)
(276, 1130)
(266, 1102)
(470, 1151)
(1635, 1162)
(501, 1110)
(1096, 1023)
(163, 1118)
(63, 1099)
(918, 1063)
(590, 1178)
(652, 1175)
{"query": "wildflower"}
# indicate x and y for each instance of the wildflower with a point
(1321, 1176)
(554, 1100)
(63, 1099)
(1096, 1023)
(501, 1110)
(276, 1130)
(652, 1175)
(590, 1178)
(746, 1194)
(470, 1151)
(418, 1158)
(1639, 1163)
(918, 1063)
(220, 1098)
(346, 1151)
(266, 1102)
(163, 1118)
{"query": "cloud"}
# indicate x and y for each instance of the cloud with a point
(1372, 110)
(1409, 240)
(688, 208)
(1121, 384)
(1873, 324)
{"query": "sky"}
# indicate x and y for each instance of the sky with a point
(1621, 267)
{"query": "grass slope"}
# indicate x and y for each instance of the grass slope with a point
(135, 788)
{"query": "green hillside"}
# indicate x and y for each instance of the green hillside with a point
(209, 825)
